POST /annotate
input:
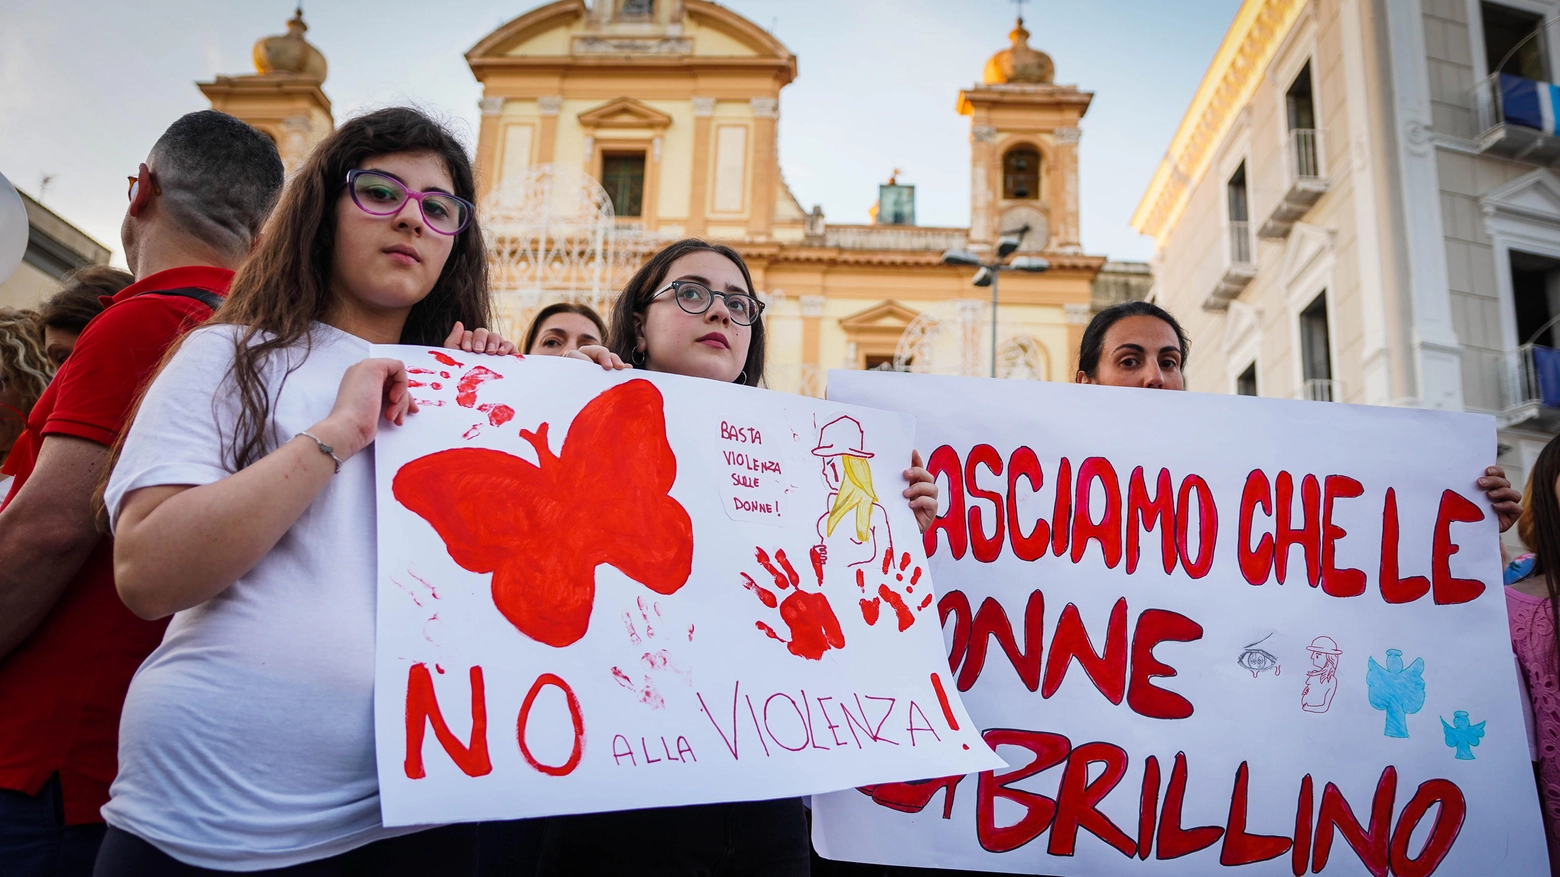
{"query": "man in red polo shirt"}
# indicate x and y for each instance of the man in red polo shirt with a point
(68, 646)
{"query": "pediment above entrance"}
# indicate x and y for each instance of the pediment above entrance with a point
(888, 316)
(624, 112)
(1306, 245)
(1534, 196)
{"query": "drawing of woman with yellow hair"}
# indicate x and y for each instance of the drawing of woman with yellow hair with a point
(848, 524)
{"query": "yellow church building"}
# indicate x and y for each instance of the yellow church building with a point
(612, 127)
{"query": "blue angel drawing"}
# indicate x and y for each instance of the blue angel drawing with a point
(1396, 690)
(1461, 735)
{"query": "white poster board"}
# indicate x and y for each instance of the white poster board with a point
(607, 591)
(1173, 697)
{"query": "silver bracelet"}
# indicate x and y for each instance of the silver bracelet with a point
(325, 449)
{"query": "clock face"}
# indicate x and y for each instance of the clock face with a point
(1039, 234)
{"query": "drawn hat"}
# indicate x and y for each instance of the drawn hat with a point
(1324, 644)
(842, 435)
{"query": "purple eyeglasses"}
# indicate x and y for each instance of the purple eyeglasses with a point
(379, 194)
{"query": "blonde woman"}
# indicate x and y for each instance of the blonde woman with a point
(25, 370)
(853, 502)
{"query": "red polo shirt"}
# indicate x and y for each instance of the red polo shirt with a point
(62, 689)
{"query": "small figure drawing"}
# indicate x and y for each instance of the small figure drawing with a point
(1461, 735)
(1395, 690)
(849, 477)
(807, 615)
(1258, 660)
(1321, 681)
(904, 577)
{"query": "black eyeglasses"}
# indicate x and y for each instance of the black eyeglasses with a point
(379, 194)
(695, 298)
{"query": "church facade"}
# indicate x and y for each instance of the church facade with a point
(612, 127)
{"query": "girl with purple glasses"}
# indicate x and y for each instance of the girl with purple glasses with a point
(242, 503)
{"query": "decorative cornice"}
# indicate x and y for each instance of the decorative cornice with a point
(1237, 69)
(804, 254)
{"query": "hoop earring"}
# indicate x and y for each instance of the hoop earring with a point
(742, 378)
(637, 362)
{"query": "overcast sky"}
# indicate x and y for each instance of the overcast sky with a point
(86, 86)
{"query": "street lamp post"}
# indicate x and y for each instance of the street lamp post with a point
(987, 272)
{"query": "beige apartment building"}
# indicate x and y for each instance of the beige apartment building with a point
(1359, 206)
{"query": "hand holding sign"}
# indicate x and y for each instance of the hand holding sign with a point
(638, 607)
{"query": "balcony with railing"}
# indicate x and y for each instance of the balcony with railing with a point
(1516, 118)
(1320, 390)
(1240, 266)
(1304, 182)
(1520, 387)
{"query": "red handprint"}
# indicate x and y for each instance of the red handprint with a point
(811, 620)
(466, 389)
(657, 661)
(871, 609)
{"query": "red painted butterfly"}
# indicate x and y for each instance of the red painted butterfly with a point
(542, 530)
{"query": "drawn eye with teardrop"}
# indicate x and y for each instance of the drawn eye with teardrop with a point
(1258, 660)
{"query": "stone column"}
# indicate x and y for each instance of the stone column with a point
(982, 148)
(547, 135)
(297, 140)
(974, 326)
(812, 325)
(699, 182)
(488, 160)
(761, 203)
(1064, 192)
(1078, 316)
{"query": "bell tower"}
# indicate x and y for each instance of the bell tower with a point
(1024, 150)
(283, 96)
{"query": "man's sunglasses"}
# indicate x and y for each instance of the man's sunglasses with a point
(136, 180)
(380, 194)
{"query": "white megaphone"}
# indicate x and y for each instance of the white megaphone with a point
(13, 229)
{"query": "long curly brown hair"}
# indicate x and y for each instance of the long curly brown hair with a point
(22, 360)
(1542, 506)
(284, 286)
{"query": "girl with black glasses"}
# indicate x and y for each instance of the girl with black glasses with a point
(242, 504)
(691, 311)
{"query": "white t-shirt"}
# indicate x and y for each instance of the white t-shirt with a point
(247, 739)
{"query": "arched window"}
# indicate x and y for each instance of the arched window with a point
(1021, 173)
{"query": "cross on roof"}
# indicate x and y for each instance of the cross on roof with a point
(1019, 7)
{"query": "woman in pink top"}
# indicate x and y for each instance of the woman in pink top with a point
(1534, 611)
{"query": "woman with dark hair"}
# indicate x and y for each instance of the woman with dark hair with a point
(1133, 344)
(562, 327)
(242, 503)
(80, 298)
(691, 311)
(1533, 608)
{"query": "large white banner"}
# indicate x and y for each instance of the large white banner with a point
(606, 591)
(1208, 633)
